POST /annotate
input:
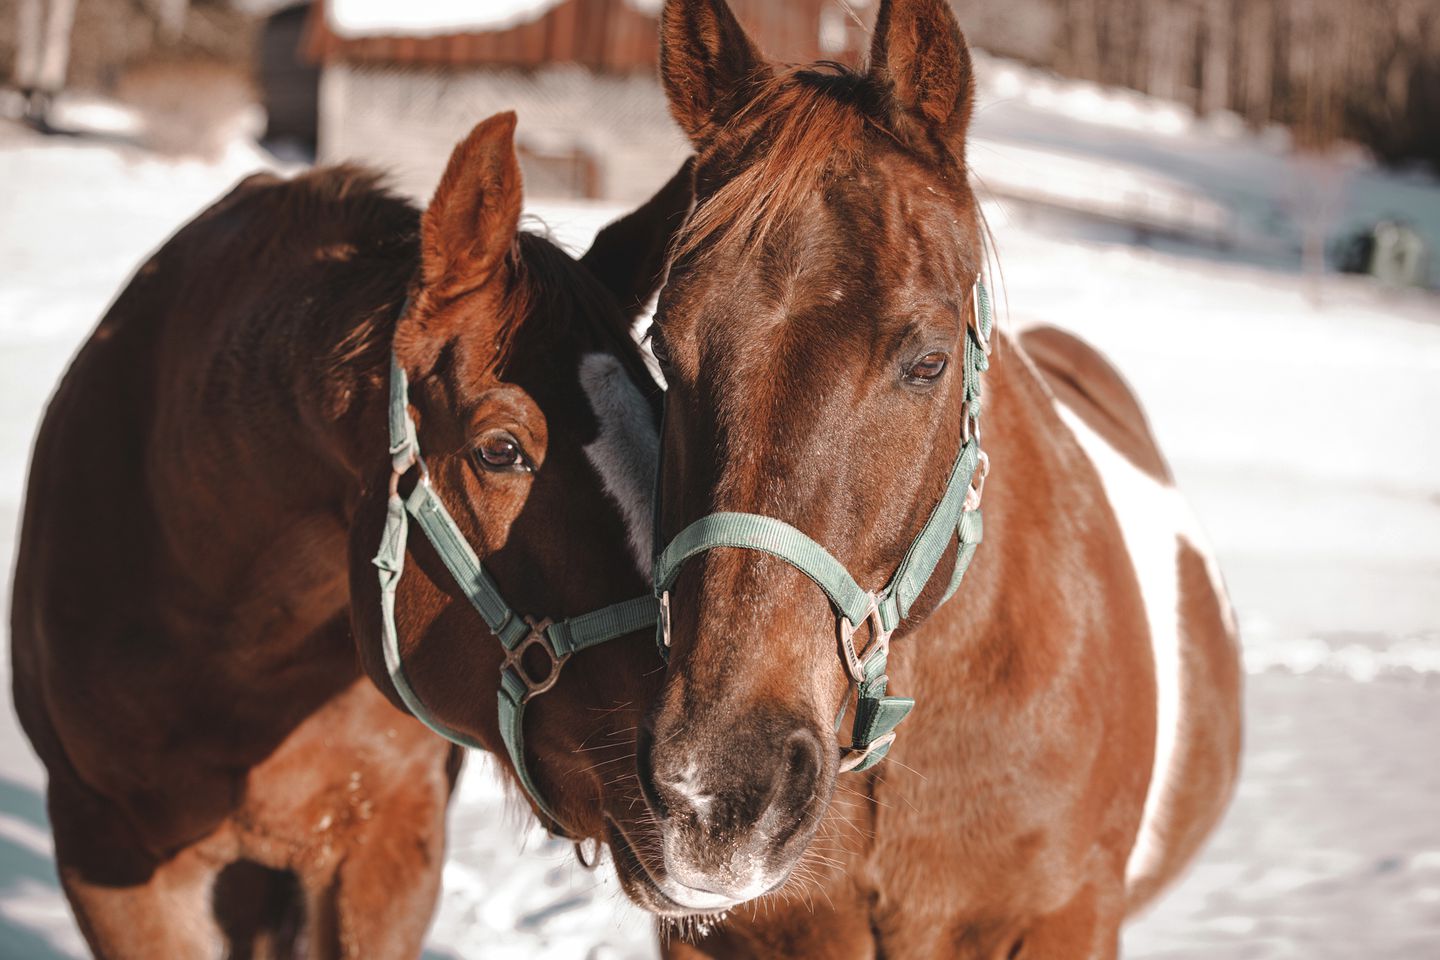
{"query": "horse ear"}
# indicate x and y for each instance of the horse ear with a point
(629, 255)
(919, 54)
(470, 224)
(708, 65)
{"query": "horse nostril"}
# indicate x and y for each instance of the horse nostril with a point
(802, 756)
(795, 792)
(645, 772)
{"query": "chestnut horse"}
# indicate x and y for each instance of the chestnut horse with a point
(196, 610)
(1076, 718)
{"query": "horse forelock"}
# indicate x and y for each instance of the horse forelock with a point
(801, 127)
(806, 129)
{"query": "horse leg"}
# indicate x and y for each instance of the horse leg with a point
(127, 902)
(169, 915)
(377, 898)
(1086, 928)
(260, 910)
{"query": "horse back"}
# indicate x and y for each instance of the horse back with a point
(1194, 640)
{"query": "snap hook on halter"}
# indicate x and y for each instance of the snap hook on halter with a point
(853, 757)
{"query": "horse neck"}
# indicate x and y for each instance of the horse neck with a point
(1011, 603)
(259, 480)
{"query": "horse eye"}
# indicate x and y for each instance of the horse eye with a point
(657, 345)
(500, 452)
(927, 369)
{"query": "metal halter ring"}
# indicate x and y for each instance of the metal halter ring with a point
(855, 661)
(514, 659)
(401, 464)
(969, 423)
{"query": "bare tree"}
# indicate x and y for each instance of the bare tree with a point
(1361, 69)
(42, 55)
(29, 30)
(1219, 53)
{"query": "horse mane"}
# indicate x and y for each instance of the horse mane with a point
(363, 218)
(807, 122)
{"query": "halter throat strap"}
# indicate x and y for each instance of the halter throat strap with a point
(517, 634)
(957, 516)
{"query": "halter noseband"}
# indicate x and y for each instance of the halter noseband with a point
(517, 634)
(957, 514)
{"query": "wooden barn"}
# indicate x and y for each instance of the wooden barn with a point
(401, 82)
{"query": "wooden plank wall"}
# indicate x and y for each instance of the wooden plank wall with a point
(607, 35)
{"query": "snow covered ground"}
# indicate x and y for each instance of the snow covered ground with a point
(1297, 415)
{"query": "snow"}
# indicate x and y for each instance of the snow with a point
(429, 18)
(1295, 411)
(1270, 198)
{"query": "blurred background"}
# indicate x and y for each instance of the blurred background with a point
(1237, 200)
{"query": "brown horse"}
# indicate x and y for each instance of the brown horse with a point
(195, 607)
(1076, 724)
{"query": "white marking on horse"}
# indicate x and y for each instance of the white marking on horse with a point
(688, 786)
(1152, 519)
(626, 450)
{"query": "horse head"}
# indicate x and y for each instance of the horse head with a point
(813, 334)
(534, 422)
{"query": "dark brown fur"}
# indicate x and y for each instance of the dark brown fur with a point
(1001, 822)
(195, 610)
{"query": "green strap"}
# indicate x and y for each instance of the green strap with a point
(876, 715)
(510, 706)
(598, 626)
(390, 561)
(440, 529)
(971, 532)
(752, 531)
(565, 637)
(929, 546)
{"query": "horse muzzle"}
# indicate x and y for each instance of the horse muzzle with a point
(732, 820)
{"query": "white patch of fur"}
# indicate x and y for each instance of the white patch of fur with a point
(1152, 519)
(692, 792)
(626, 450)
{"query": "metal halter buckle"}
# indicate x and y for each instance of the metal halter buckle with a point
(855, 661)
(976, 492)
(665, 618)
(853, 758)
(514, 659)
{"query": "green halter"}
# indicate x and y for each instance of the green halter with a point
(517, 634)
(957, 514)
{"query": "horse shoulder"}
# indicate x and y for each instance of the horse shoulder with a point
(1194, 641)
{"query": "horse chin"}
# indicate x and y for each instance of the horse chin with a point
(649, 888)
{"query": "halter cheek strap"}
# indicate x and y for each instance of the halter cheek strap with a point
(517, 634)
(957, 515)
